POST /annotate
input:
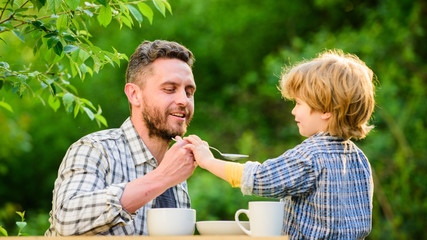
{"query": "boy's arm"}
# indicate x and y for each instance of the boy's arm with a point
(231, 172)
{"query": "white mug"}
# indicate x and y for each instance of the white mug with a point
(171, 221)
(265, 218)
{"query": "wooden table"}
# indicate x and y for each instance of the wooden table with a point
(194, 237)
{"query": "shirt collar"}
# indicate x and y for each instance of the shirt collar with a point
(138, 149)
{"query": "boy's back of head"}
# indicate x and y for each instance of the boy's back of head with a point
(338, 83)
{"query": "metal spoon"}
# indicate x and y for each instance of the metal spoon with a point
(227, 156)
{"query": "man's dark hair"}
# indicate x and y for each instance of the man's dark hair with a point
(148, 52)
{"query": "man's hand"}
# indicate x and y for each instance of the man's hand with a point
(178, 163)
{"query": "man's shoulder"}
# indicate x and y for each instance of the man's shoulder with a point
(100, 139)
(111, 134)
(104, 135)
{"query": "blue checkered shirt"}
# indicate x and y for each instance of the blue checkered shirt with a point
(325, 183)
(91, 180)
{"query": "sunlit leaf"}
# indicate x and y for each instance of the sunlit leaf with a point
(127, 21)
(3, 231)
(6, 106)
(88, 103)
(160, 5)
(73, 4)
(54, 103)
(54, 5)
(21, 214)
(168, 6)
(136, 14)
(76, 110)
(146, 11)
(62, 22)
(101, 119)
(105, 15)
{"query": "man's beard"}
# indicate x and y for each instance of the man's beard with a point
(157, 125)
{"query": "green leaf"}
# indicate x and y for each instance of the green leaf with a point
(3, 231)
(58, 48)
(160, 5)
(54, 5)
(103, 2)
(54, 103)
(62, 22)
(38, 3)
(89, 113)
(88, 103)
(101, 119)
(127, 21)
(69, 38)
(105, 15)
(168, 6)
(50, 35)
(4, 65)
(6, 106)
(68, 99)
(21, 225)
(83, 68)
(38, 24)
(52, 41)
(21, 214)
(136, 14)
(70, 48)
(146, 11)
(73, 4)
(76, 110)
(19, 35)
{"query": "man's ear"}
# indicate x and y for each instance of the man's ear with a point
(326, 115)
(132, 91)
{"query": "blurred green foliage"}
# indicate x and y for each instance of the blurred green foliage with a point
(240, 48)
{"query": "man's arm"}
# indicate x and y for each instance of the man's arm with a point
(83, 203)
(177, 165)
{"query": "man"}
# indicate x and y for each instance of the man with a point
(109, 179)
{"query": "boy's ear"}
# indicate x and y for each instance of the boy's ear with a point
(326, 115)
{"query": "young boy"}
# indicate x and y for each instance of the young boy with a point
(326, 181)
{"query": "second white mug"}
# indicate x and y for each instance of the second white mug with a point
(265, 218)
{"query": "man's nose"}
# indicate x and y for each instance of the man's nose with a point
(181, 98)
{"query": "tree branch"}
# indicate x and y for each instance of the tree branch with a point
(13, 14)
(4, 8)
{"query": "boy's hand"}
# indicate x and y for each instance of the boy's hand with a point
(200, 150)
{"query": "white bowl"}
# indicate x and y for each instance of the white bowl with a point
(220, 227)
(171, 221)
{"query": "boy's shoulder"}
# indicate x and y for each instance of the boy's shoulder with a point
(324, 143)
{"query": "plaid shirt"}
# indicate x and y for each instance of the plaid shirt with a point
(326, 185)
(91, 180)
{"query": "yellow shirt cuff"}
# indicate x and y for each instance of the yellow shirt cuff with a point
(233, 173)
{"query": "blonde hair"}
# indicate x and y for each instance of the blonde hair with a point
(338, 83)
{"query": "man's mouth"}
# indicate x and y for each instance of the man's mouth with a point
(180, 115)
